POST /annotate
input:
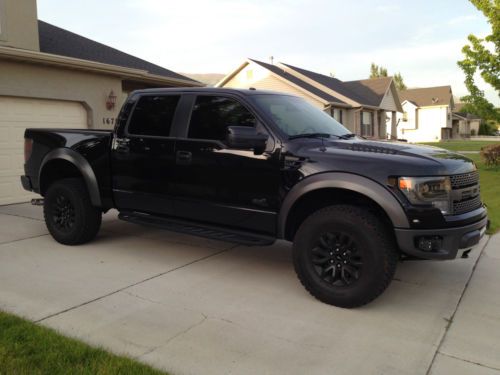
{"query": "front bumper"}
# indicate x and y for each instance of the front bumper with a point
(453, 240)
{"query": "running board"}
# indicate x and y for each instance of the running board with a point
(197, 229)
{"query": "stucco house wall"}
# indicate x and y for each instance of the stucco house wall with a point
(36, 81)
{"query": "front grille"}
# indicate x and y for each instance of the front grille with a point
(459, 181)
(467, 205)
(465, 192)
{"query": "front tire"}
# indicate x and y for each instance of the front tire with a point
(344, 255)
(69, 215)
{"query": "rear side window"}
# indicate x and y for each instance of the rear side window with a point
(213, 114)
(153, 115)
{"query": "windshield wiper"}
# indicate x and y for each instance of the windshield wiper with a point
(310, 135)
(347, 136)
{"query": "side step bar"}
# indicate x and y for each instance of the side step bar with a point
(198, 229)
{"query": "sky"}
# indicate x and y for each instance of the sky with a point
(420, 39)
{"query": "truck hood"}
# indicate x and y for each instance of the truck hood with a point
(381, 159)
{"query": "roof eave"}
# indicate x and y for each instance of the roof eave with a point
(87, 65)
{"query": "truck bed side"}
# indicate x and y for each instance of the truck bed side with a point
(92, 146)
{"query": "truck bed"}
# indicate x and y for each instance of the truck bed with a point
(92, 144)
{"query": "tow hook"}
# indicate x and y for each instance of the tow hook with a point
(37, 202)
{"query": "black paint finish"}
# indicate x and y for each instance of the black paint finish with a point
(208, 182)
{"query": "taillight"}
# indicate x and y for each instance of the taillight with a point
(28, 148)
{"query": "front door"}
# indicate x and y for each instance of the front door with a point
(219, 185)
(143, 157)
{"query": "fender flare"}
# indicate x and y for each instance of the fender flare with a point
(81, 164)
(346, 181)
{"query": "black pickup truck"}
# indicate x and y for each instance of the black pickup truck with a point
(251, 167)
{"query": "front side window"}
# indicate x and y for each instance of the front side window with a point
(367, 124)
(153, 115)
(212, 115)
(295, 116)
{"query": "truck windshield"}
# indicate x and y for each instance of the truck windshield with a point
(295, 117)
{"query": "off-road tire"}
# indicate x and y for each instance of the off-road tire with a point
(374, 244)
(74, 221)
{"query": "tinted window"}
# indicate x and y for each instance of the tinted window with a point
(153, 115)
(213, 114)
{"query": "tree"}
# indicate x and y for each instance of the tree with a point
(377, 71)
(398, 81)
(483, 56)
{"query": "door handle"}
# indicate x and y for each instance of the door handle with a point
(121, 144)
(183, 157)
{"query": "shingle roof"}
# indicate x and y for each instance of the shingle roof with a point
(289, 77)
(332, 83)
(372, 90)
(427, 96)
(57, 41)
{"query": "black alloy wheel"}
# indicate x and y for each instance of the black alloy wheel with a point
(63, 213)
(336, 259)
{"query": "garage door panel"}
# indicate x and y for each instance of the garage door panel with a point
(17, 114)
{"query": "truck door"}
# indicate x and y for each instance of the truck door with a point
(143, 158)
(219, 185)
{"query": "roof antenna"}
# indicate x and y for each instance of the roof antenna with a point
(271, 58)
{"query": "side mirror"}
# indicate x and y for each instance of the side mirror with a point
(246, 138)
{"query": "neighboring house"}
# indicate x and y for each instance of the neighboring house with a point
(427, 115)
(366, 107)
(50, 77)
(468, 123)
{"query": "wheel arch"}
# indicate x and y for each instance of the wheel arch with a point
(324, 189)
(63, 163)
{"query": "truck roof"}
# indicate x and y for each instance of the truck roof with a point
(215, 90)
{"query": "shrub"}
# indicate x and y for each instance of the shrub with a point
(491, 154)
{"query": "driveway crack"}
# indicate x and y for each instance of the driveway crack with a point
(468, 361)
(132, 285)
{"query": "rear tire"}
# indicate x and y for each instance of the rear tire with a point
(69, 215)
(344, 255)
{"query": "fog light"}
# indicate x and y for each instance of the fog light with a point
(429, 243)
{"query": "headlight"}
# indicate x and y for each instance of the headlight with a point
(427, 190)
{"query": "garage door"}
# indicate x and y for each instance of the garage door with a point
(17, 114)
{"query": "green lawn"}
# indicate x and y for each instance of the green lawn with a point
(28, 348)
(489, 176)
(462, 145)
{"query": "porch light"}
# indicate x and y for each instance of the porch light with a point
(111, 100)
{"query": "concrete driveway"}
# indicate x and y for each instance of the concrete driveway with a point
(195, 306)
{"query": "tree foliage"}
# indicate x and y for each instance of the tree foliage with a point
(377, 71)
(482, 55)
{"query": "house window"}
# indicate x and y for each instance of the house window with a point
(405, 116)
(337, 114)
(367, 124)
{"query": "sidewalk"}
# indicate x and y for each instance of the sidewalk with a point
(472, 342)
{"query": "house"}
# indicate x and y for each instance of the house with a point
(468, 123)
(50, 77)
(366, 107)
(427, 115)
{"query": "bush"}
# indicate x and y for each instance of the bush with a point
(491, 154)
(473, 132)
